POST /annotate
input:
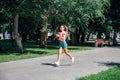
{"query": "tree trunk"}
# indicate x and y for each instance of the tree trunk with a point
(82, 37)
(88, 36)
(4, 35)
(11, 33)
(77, 35)
(73, 37)
(43, 36)
(43, 40)
(11, 38)
(17, 36)
(44, 32)
(115, 39)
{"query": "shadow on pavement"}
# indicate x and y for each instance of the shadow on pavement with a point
(109, 64)
(51, 64)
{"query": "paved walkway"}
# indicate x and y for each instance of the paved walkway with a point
(86, 62)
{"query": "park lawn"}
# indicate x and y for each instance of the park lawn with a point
(32, 50)
(110, 74)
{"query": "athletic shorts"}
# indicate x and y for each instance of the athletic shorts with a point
(63, 44)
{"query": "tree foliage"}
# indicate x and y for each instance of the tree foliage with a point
(43, 15)
(114, 14)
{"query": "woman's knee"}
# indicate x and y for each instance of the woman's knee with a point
(66, 52)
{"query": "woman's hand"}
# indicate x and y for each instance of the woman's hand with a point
(57, 35)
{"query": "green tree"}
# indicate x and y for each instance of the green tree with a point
(12, 9)
(82, 13)
(51, 10)
(114, 14)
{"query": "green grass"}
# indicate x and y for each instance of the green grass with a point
(32, 50)
(111, 74)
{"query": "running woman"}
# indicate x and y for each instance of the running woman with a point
(63, 44)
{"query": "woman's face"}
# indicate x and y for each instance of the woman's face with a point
(61, 28)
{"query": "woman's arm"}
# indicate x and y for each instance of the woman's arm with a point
(62, 37)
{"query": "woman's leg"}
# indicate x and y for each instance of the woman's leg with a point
(69, 55)
(59, 54)
(66, 52)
